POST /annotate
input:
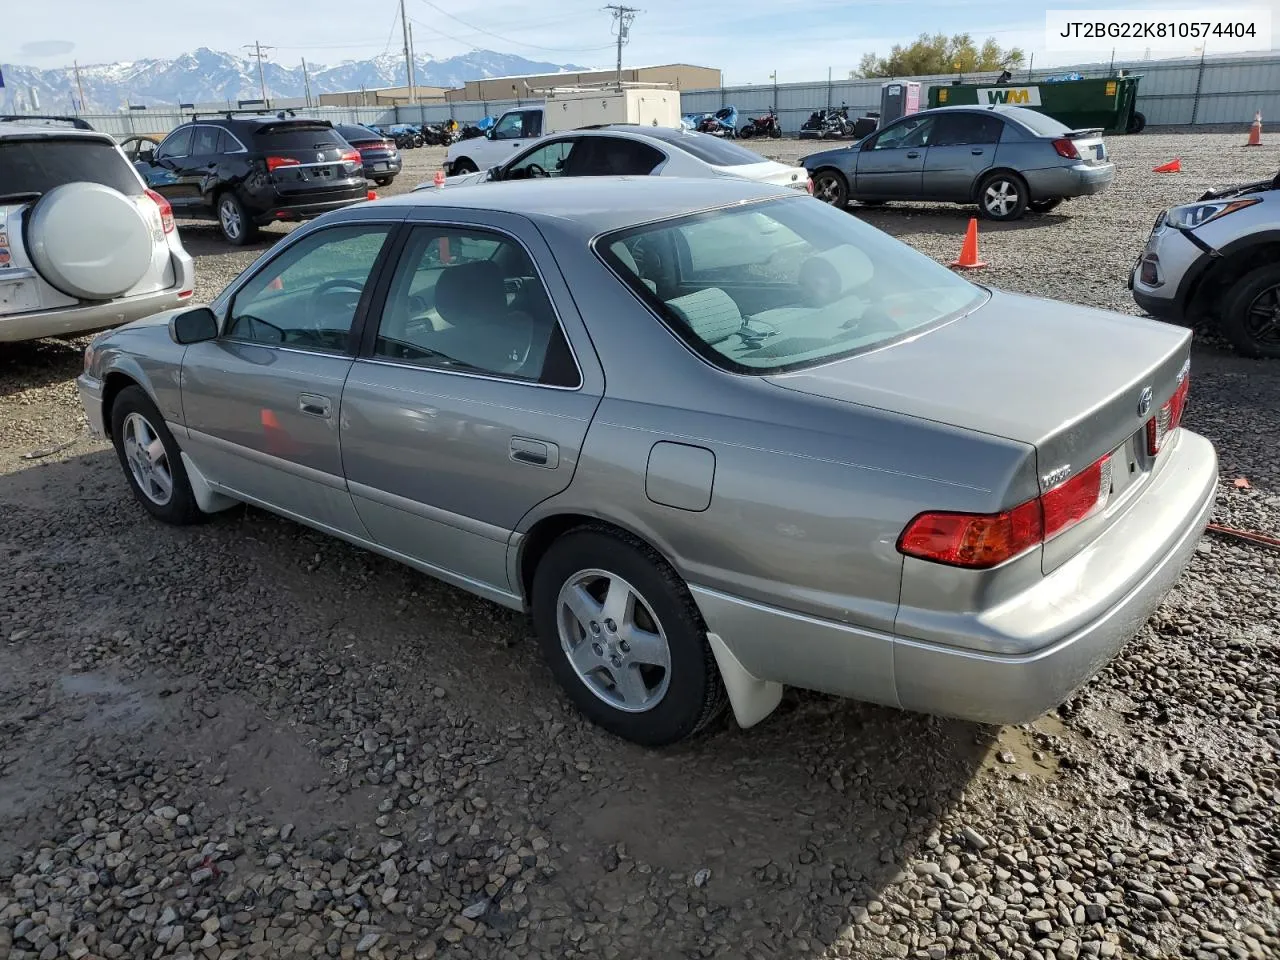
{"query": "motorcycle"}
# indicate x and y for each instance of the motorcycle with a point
(406, 136)
(722, 123)
(766, 126)
(827, 124)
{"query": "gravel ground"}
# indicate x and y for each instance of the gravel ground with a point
(248, 740)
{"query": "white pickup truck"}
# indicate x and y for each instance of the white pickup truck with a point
(564, 109)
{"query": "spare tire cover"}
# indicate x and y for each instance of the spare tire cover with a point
(89, 241)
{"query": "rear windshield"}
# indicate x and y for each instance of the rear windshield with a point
(1041, 123)
(768, 287)
(712, 150)
(297, 136)
(39, 165)
(352, 133)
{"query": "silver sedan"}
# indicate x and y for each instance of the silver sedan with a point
(1007, 160)
(715, 436)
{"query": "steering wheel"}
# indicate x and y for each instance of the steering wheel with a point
(532, 170)
(349, 289)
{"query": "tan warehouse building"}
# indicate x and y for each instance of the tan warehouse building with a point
(680, 76)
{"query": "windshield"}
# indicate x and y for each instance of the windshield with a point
(708, 149)
(39, 165)
(774, 286)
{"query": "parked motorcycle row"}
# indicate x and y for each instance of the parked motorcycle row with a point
(408, 135)
(838, 125)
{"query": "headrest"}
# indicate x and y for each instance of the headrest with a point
(622, 253)
(710, 313)
(826, 277)
(471, 291)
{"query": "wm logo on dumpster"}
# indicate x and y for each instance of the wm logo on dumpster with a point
(1010, 96)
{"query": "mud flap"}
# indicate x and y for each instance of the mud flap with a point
(752, 700)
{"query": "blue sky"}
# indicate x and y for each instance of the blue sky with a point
(747, 39)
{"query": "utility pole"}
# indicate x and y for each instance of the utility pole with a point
(84, 107)
(623, 17)
(258, 55)
(413, 69)
(408, 50)
(306, 81)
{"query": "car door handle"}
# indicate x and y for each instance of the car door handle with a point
(537, 453)
(314, 404)
(978, 152)
(912, 155)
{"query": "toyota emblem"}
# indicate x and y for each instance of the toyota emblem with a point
(1144, 402)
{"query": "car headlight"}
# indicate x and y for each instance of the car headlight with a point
(1194, 215)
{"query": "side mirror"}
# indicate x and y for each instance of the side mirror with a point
(488, 134)
(194, 326)
(147, 154)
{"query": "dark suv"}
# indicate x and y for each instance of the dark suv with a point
(247, 171)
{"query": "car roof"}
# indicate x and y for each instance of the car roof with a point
(597, 204)
(27, 131)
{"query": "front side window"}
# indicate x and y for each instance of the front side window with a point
(177, 144)
(768, 287)
(912, 132)
(307, 297)
(470, 301)
(510, 127)
(548, 160)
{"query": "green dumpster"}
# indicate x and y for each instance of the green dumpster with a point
(1081, 104)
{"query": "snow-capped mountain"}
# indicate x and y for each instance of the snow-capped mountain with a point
(205, 76)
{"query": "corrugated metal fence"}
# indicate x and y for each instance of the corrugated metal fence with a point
(1171, 92)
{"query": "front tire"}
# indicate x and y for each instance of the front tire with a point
(831, 187)
(1002, 197)
(233, 220)
(151, 459)
(464, 165)
(747, 132)
(1251, 317)
(623, 637)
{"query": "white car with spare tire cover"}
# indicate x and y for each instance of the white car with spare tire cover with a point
(84, 245)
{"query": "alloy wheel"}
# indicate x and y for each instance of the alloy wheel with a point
(1000, 197)
(613, 640)
(826, 188)
(229, 217)
(1262, 319)
(147, 459)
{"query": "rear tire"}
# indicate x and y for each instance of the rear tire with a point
(1137, 123)
(747, 132)
(151, 459)
(1043, 206)
(233, 220)
(831, 187)
(775, 133)
(383, 181)
(618, 684)
(1002, 197)
(1250, 319)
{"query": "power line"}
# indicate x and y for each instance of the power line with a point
(258, 55)
(498, 36)
(622, 18)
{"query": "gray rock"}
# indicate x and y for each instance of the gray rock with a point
(475, 911)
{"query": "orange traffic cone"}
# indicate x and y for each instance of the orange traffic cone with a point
(1173, 166)
(969, 249)
(371, 195)
(438, 180)
(1255, 131)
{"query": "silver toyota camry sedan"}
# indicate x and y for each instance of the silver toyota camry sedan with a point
(715, 436)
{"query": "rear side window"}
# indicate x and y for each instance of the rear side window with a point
(298, 136)
(613, 156)
(37, 166)
(955, 129)
(713, 150)
(205, 141)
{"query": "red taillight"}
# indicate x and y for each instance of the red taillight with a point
(1066, 148)
(166, 211)
(979, 541)
(973, 540)
(1070, 502)
(1169, 417)
(351, 156)
(275, 163)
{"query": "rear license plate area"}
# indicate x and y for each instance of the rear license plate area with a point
(17, 295)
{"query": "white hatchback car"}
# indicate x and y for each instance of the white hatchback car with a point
(84, 245)
(634, 150)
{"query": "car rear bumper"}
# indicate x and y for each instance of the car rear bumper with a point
(1078, 180)
(89, 318)
(1073, 621)
(378, 167)
(306, 207)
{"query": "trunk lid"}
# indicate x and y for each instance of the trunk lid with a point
(769, 171)
(1067, 380)
(303, 158)
(1090, 145)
